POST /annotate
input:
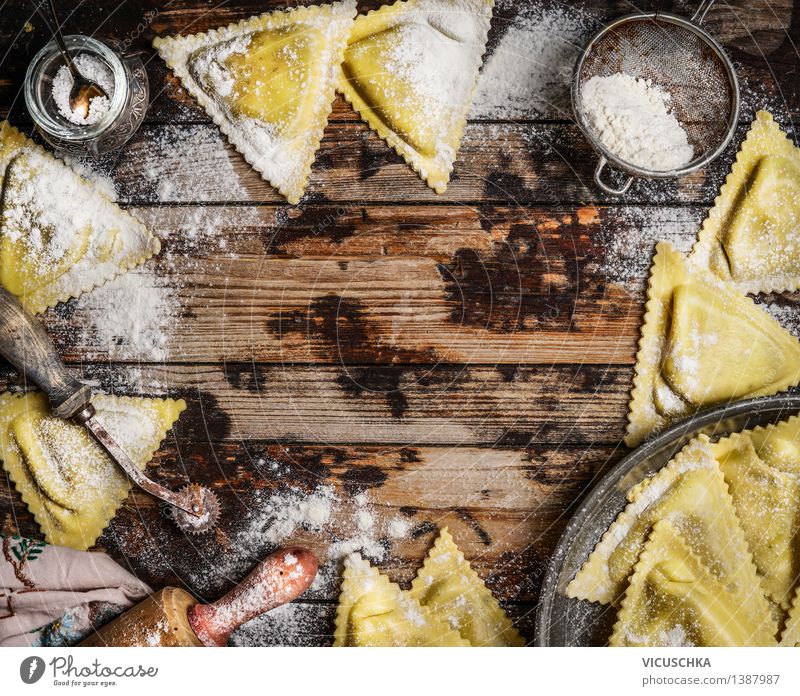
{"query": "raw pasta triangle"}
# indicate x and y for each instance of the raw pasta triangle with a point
(410, 70)
(703, 343)
(375, 612)
(791, 633)
(454, 592)
(691, 492)
(59, 235)
(674, 599)
(268, 82)
(762, 469)
(67, 481)
(751, 236)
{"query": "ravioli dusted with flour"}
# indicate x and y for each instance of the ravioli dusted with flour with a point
(59, 235)
(375, 612)
(762, 469)
(453, 591)
(674, 599)
(65, 478)
(691, 492)
(268, 82)
(751, 236)
(410, 70)
(703, 343)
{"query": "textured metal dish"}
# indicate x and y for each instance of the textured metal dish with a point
(568, 622)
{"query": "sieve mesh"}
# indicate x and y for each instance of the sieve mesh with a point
(680, 61)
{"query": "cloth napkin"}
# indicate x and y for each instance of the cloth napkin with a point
(52, 595)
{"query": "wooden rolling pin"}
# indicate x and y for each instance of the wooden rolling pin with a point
(173, 618)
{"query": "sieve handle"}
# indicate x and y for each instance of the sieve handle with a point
(610, 190)
(701, 11)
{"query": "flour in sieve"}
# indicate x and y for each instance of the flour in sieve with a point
(631, 117)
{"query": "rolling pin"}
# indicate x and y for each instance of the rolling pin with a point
(173, 618)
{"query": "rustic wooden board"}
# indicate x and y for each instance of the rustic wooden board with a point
(364, 284)
(517, 163)
(461, 360)
(492, 500)
(397, 404)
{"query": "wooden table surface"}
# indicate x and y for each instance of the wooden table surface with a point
(465, 359)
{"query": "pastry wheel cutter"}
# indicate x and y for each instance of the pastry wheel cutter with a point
(26, 345)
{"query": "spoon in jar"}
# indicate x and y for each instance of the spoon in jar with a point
(83, 90)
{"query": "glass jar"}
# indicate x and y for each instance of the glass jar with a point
(127, 104)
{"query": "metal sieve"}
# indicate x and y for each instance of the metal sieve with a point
(681, 58)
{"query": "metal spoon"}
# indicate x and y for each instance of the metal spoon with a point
(83, 90)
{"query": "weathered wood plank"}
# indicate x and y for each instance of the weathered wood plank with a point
(520, 163)
(436, 404)
(505, 508)
(374, 285)
(368, 285)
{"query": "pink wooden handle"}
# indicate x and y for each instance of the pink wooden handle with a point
(278, 579)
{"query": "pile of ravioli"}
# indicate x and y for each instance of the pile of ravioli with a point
(410, 70)
(61, 237)
(448, 605)
(707, 551)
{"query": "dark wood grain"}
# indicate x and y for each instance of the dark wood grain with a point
(461, 359)
(492, 501)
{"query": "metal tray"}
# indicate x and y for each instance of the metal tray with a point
(569, 622)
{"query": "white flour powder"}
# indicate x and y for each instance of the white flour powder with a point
(632, 119)
(93, 69)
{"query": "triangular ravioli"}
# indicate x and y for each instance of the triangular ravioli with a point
(268, 82)
(64, 477)
(375, 612)
(675, 600)
(691, 492)
(703, 343)
(410, 70)
(454, 592)
(791, 633)
(762, 469)
(59, 235)
(750, 236)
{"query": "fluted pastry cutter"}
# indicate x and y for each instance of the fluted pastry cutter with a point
(26, 345)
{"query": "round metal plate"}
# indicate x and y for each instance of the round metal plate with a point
(568, 622)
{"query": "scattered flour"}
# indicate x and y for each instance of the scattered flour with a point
(631, 118)
(629, 236)
(91, 68)
(279, 518)
(130, 316)
(528, 73)
(187, 162)
(96, 176)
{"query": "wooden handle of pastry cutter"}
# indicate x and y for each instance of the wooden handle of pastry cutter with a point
(278, 579)
(26, 345)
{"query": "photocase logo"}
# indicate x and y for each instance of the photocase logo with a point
(31, 669)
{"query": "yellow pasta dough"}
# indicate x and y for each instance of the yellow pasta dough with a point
(454, 592)
(64, 477)
(410, 70)
(691, 492)
(761, 467)
(751, 236)
(703, 343)
(674, 599)
(59, 235)
(791, 633)
(375, 612)
(268, 82)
